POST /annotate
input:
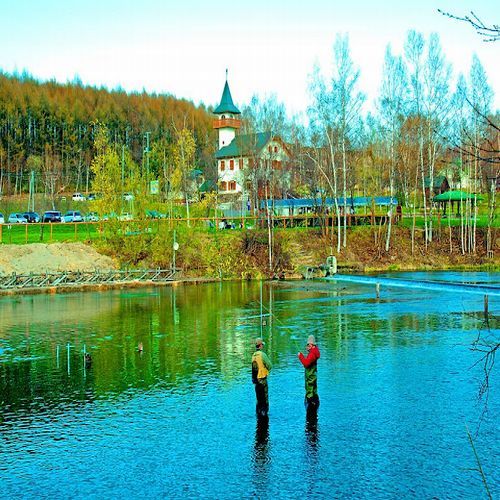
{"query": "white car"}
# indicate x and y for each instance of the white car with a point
(78, 197)
(2, 219)
(72, 216)
(16, 218)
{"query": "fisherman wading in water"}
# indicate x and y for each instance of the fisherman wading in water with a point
(311, 373)
(261, 366)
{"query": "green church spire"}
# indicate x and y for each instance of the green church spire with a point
(226, 103)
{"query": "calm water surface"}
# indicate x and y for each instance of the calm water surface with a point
(397, 380)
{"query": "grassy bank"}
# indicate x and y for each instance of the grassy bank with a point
(244, 254)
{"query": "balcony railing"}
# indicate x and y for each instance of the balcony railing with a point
(227, 122)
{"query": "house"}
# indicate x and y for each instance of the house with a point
(249, 166)
(300, 206)
(491, 174)
(440, 185)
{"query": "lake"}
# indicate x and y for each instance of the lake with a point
(398, 383)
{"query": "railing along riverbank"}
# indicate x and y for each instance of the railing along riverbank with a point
(88, 231)
(81, 231)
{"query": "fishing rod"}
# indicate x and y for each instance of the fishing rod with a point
(272, 315)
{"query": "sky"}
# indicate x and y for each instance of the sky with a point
(268, 46)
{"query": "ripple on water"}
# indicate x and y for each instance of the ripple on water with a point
(396, 382)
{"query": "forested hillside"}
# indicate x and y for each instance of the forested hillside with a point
(49, 128)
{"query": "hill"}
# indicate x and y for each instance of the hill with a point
(49, 128)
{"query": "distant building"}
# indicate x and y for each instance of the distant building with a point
(246, 164)
(492, 176)
(440, 185)
(300, 206)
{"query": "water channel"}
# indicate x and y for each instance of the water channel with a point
(398, 384)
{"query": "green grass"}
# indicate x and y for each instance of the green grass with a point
(48, 233)
(482, 221)
(89, 231)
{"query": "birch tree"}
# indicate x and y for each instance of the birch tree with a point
(392, 108)
(183, 154)
(336, 112)
(324, 118)
(414, 49)
(349, 100)
(480, 100)
(436, 108)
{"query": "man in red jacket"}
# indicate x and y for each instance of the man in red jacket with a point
(311, 373)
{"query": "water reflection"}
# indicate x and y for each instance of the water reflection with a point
(399, 366)
(312, 433)
(261, 455)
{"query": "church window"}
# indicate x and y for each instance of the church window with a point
(241, 163)
(231, 164)
(232, 185)
(275, 149)
(222, 165)
(223, 186)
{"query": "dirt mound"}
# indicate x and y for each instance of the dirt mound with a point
(40, 258)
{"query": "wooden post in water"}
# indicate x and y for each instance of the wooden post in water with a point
(68, 348)
(486, 307)
(377, 290)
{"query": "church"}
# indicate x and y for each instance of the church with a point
(249, 166)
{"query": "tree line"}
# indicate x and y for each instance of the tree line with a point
(422, 125)
(50, 129)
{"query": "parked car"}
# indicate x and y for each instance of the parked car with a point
(125, 216)
(17, 218)
(31, 216)
(154, 214)
(92, 196)
(78, 197)
(72, 216)
(92, 217)
(2, 219)
(52, 216)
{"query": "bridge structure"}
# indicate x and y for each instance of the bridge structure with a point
(16, 281)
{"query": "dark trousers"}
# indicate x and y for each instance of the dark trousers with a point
(261, 393)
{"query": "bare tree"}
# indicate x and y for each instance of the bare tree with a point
(490, 33)
(437, 73)
(336, 111)
(414, 49)
(392, 109)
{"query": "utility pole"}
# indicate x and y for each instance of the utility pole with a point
(31, 198)
(123, 172)
(146, 152)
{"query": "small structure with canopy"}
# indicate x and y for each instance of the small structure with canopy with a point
(456, 197)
